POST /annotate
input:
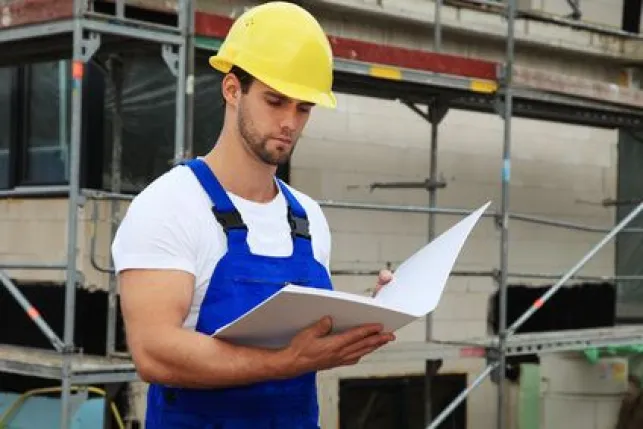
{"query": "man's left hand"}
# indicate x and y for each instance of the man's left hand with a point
(384, 277)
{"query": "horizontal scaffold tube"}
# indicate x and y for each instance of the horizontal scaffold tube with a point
(101, 195)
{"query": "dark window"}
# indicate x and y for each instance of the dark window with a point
(149, 120)
(35, 124)
(48, 124)
(6, 120)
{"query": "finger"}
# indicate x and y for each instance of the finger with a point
(377, 289)
(385, 276)
(371, 341)
(356, 334)
(322, 327)
(357, 355)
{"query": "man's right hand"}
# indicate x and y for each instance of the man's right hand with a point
(313, 349)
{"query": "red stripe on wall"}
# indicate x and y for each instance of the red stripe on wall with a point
(21, 12)
(210, 25)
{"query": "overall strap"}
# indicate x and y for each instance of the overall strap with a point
(298, 220)
(222, 207)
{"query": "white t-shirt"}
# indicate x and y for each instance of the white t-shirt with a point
(170, 225)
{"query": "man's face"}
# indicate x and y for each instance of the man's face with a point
(270, 124)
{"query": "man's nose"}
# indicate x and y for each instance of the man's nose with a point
(289, 119)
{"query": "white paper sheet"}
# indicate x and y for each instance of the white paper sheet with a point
(414, 292)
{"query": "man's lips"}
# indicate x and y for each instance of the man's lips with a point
(283, 140)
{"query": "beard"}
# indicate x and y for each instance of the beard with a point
(257, 143)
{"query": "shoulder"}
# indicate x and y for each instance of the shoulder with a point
(160, 228)
(168, 192)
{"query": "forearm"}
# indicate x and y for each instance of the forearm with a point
(185, 358)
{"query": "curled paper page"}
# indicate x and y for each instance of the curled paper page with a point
(419, 281)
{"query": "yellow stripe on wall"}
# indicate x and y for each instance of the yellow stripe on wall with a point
(391, 73)
(485, 86)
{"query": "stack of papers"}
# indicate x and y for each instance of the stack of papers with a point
(413, 293)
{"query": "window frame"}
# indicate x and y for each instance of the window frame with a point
(14, 126)
(23, 154)
(19, 129)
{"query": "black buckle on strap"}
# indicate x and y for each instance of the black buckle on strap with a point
(229, 220)
(299, 226)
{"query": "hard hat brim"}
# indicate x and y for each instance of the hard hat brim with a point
(291, 90)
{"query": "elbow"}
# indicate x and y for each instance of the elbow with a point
(148, 369)
(147, 373)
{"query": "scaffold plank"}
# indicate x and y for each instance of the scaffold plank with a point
(519, 344)
(543, 80)
(97, 369)
(45, 363)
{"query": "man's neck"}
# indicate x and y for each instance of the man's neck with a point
(241, 174)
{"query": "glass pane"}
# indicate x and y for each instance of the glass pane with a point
(5, 124)
(48, 123)
(149, 119)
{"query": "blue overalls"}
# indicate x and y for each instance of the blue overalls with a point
(240, 281)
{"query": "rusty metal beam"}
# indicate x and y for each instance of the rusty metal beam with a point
(21, 12)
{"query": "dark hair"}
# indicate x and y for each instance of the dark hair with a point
(244, 77)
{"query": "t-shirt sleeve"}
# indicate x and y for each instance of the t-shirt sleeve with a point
(155, 234)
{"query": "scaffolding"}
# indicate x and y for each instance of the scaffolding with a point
(85, 30)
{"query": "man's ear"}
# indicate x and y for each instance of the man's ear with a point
(230, 89)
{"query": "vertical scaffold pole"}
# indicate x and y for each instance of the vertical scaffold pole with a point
(78, 68)
(504, 219)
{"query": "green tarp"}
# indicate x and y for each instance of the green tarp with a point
(593, 354)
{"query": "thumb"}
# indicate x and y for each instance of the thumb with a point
(384, 277)
(322, 326)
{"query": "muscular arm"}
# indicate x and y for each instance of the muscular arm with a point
(155, 303)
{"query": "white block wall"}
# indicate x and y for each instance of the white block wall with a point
(577, 394)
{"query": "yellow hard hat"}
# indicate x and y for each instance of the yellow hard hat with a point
(283, 46)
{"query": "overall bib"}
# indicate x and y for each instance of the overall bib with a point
(240, 281)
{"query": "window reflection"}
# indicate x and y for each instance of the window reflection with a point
(48, 129)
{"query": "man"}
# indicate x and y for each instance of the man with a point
(211, 238)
